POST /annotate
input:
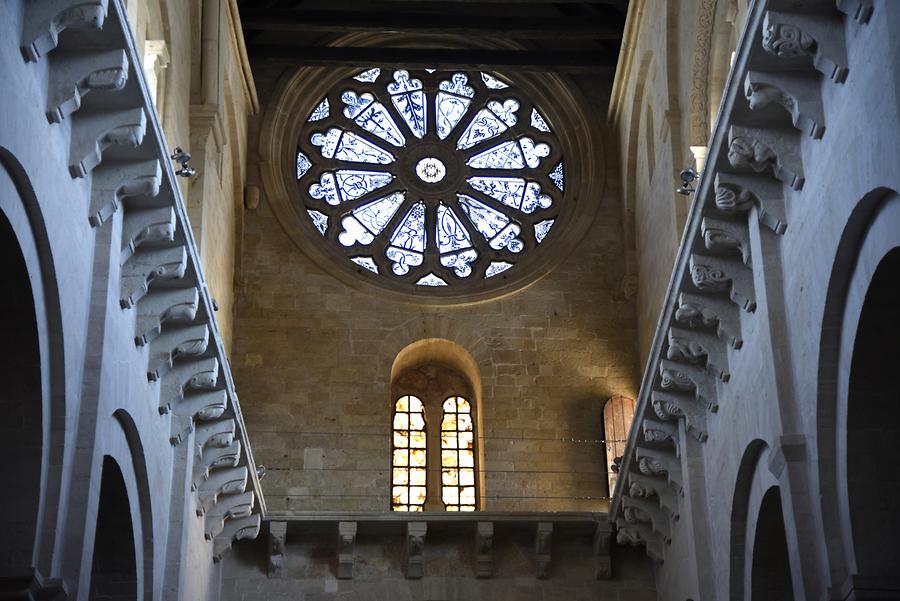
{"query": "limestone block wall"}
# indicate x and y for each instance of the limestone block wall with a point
(754, 382)
(315, 356)
(309, 571)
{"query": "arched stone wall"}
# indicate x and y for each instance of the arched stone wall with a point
(870, 234)
(20, 210)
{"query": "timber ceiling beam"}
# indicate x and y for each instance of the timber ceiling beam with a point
(475, 59)
(332, 21)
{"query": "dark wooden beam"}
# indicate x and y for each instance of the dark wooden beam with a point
(335, 21)
(593, 62)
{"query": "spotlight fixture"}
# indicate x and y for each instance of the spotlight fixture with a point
(261, 471)
(688, 176)
(182, 158)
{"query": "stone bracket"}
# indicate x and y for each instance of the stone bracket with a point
(637, 510)
(673, 406)
(113, 182)
(484, 549)
(163, 306)
(74, 74)
(415, 549)
(346, 549)
(726, 238)
(186, 341)
(711, 275)
(230, 480)
(859, 10)
(799, 96)
(227, 507)
(93, 133)
(699, 348)
(701, 310)
(793, 36)
(149, 226)
(737, 194)
(753, 150)
(661, 464)
(235, 529)
(277, 540)
(46, 19)
(643, 486)
(204, 405)
(543, 549)
(198, 373)
(680, 377)
(145, 267)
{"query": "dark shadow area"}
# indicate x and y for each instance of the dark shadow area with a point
(113, 571)
(771, 575)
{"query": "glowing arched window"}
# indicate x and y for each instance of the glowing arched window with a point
(457, 456)
(409, 460)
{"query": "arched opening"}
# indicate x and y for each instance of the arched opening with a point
(21, 430)
(771, 569)
(873, 431)
(114, 568)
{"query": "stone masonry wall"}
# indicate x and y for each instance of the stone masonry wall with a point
(313, 360)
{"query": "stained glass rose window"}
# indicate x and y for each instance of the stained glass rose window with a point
(430, 178)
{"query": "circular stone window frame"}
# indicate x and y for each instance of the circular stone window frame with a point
(560, 102)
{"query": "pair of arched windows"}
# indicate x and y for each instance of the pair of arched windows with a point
(414, 483)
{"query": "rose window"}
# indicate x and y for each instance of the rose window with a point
(430, 178)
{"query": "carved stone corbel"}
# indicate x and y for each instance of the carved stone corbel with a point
(484, 549)
(798, 95)
(197, 373)
(114, 182)
(186, 341)
(637, 511)
(218, 434)
(859, 10)
(712, 275)
(726, 237)
(93, 133)
(164, 306)
(764, 151)
(680, 377)
(227, 481)
(277, 540)
(697, 347)
(415, 549)
(204, 405)
(145, 267)
(543, 549)
(213, 458)
(75, 74)
(737, 194)
(657, 431)
(346, 549)
(227, 507)
(672, 406)
(235, 529)
(46, 19)
(647, 487)
(660, 463)
(637, 534)
(602, 559)
(147, 226)
(702, 311)
(806, 36)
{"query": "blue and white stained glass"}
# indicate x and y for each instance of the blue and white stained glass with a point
(319, 220)
(532, 152)
(507, 155)
(431, 280)
(303, 164)
(365, 222)
(492, 82)
(325, 189)
(409, 100)
(489, 123)
(372, 117)
(537, 121)
(366, 262)
(320, 112)
(368, 76)
(496, 227)
(454, 243)
(557, 176)
(541, 229)
(347, 146)
(452, 102)
(496, 267)
(408, 241)
(355, 184)
(513, 192)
